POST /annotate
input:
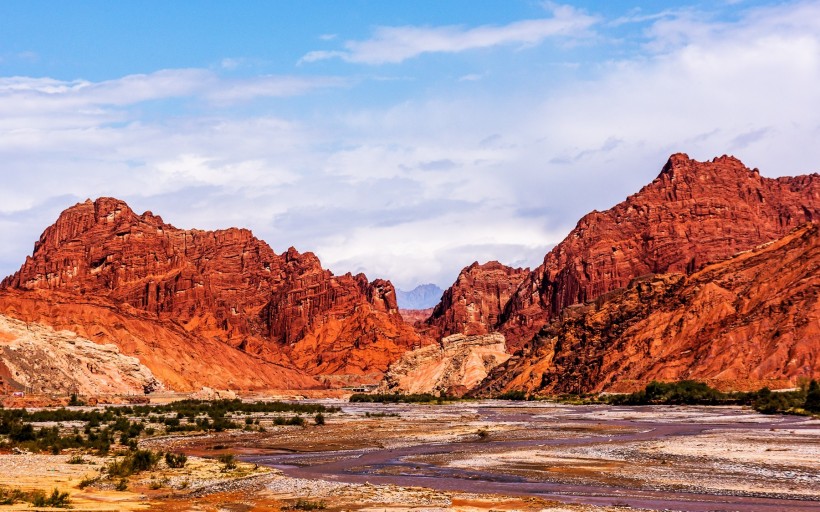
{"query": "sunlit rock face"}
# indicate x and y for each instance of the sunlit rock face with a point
(452, 367)
(281, 316)
(740, 324)
(693, 213)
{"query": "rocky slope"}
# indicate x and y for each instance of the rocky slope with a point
(37, 357)
(454, 366)
(182, 360)
(221, 286)
(743, 323)
(474, 303)
(415, 316)
(693, 213)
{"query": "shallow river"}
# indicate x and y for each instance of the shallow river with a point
(661, 458)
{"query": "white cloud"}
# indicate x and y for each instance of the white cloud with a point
(397, 44)
(415, 190)
(270, 86)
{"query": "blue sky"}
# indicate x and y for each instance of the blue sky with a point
(401, 139)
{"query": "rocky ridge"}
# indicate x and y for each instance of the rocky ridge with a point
(743, 323)
(454, 366)
(692, 214)
(474, 303)
(222, 286)
(182, 360)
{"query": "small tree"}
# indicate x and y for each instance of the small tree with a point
(813, 397)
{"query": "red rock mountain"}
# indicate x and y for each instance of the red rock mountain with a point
(743, 323)
(693, 213)
(473, 304)
(219, 286)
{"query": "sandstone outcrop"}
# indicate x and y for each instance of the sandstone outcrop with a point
(474, 303)
(182, 360)
(225, 287)
(454, 366)
(36, 357)
(743, 323)
(693, 213)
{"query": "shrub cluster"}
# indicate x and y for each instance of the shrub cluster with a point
(37, 498)
(105, 426)
(689, 392)
(134, 462)
(396, 398)
(513, 395)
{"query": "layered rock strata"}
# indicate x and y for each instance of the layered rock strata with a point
(743, 323)
(474, 303)
(38, 358)
(225, 286)
(454, 366)
(692, 214)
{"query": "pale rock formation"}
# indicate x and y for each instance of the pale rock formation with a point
(453, 367)
(36, 356)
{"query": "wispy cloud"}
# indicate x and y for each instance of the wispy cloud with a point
(414, 188)
(26, 96)
(397, 44)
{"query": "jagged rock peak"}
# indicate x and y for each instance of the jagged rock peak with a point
(223, 285)
(691, 214)
(474, 303)
(742, 323)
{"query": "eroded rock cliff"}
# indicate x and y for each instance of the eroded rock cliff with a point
(743, 323)
(37, 357)
(693, 213)
(454, 366)
(473, 304)
(225, 287)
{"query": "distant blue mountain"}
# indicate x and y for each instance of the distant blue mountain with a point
(421, 297)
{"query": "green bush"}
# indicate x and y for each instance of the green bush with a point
(301, 504)
(812, 403)
(228, 461)
(513, 395)
(135, 462)
(396, 398)
(56, 499)
(89, 480)
(175, 460)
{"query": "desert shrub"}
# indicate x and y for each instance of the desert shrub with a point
(11, 496)
(56, 499)
(89, 480)
(175, 460)
(381, 415)
(396, 398)
(122, 485)
(135, 462)
(319, 419)
(76, 459)
(812, 403)
(38, 498)
(228, 461)
(301, 504)
(513, 395)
